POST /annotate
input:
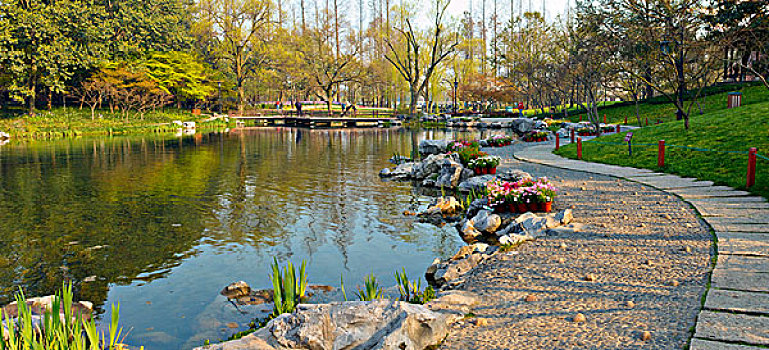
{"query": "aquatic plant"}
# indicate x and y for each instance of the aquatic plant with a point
(288, 291)
(412, 291)
(371, 290)
(59, 328)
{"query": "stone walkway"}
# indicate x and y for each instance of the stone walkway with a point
(736, 311)
(640, 264)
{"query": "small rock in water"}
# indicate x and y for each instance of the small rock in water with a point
(531, 298)
(89, 279)
(646, 336)
(236, 290)
(641, 225)
(674, 283)
(481, 322)
(590, 277)
(232, 325)
(630, 303)
(579, 318)
(687, 249)
(667, 216)
(563, 245)
(648, 262)
(583, 188)
(689, 225)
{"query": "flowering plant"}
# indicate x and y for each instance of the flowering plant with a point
(521, 191)
(536, 136)
(484, 162)
(460, 145)
(499, 140)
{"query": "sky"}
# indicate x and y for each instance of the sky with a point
(552, 7)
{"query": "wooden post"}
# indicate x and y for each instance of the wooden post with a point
(579, 148)
(557, 141)
(751, 168)
(661, 153)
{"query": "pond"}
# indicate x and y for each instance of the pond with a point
(160, 224)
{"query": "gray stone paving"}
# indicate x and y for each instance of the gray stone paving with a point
(736, 310)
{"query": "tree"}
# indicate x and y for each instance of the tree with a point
(408, 63)
(238, 29)
(92, 92)
(179, 74)
(682, 60)
(743, 26)
(36, 47)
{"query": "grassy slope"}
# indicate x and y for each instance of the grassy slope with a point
(72, 121)
(667, 112)
(722, 130)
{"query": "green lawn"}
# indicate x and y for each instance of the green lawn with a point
(666, 112)
(724, 130)
(65, 122)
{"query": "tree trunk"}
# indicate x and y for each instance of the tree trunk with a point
(414, 99)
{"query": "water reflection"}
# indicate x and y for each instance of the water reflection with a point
(162, 223)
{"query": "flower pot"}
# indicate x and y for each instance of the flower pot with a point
(511, 207)
(499, 208)
(493, 170)
(477, 171)
(484, 171)
(547, 207)
(522, 207)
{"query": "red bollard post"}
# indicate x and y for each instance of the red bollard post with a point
(572, 135)
(751, 168)
(604, 118)
(647, 121)
(580, 117)
(579, 148)
(557, 141)
(618, 131)
(661, 153)
(625, 120)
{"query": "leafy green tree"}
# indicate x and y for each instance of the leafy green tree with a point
(36, 46)
(180, 74)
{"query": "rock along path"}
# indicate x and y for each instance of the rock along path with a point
(736, 310)
(640, 264)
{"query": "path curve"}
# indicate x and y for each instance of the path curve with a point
(641, 264)
(736, 310)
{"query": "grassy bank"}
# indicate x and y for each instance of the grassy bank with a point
(659, 109)
(729, 133)
(67, 122)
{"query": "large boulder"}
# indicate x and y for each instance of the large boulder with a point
(430, 165)
(447, 273)
(487, 222)
(522, 125)
(450, 174)
(475, 183)
(379, 324)
(427, 147)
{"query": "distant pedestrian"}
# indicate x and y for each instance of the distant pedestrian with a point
(298, 105)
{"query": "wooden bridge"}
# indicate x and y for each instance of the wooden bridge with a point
(312, 122)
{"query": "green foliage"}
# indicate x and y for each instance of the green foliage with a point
(371, 289)
(180, 74)
(70, 332)
(288, 291)
(412, 291)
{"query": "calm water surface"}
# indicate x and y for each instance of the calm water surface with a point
(160, 224)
